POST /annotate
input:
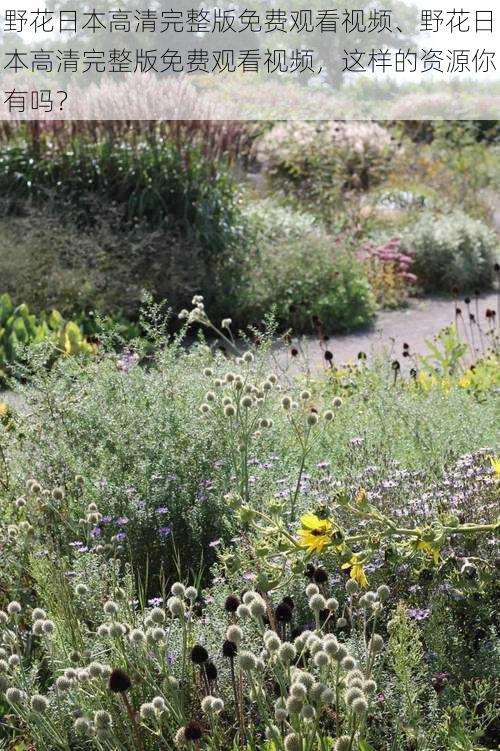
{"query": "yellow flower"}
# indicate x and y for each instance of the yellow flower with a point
(4, 409)
(314, 533)
(356, 571)
(361, 496)
(495, 463)
(428, 549)
(465, 382)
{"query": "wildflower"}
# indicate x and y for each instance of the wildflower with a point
(147, 711)
(337, 402)
(369, 686)
(102, 719)
(234, 633)
(231, 604)
(308, 712)
(229, 410)
(110, 608)
(287, 653)
(193, 731)
(332, 604)
(63, 684)
(298, 691)
(243, 612)
(13, 608)
(82, 725)
(376, 643)
(119, 682)
(178, 589)
(312, 419)
(14, 695)
(495, 464)
(176, 607)
(360, 706)
(48, 627)
(315, 533)
(286, 403)
(39, 703)
(317, 603)
(248, 661)
(356, 571)
(294, 704)
(199, 654)
(293, 742)
(229, 649)
(343, 743)
(321, 659)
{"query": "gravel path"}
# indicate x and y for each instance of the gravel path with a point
(413, 325)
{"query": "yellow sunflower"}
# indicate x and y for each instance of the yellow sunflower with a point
(495, 463)
(314, 532)
(356, 571)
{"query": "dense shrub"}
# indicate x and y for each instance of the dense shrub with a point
(304, 274)
(452, 251)
(319, 163)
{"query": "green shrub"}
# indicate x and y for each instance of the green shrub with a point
(20, 328)
(319, 163)
(304, 274)
(452, 250)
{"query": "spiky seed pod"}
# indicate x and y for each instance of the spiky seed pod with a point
(383, 592)
(283, 613)
(82, 725)
(119, 682)
(157, 615)
(352, 694)
(102, 719)
(247, 661)
(14, 608)
(147, 711)
(294, 704)
(311, 589)
(243, 612)
(298, 691)
(63, 684)
(178, 589)
(332, 604)
(193, 731)
(343, 743)
(231, 604)
(110, 608)
(321, 659)
(308, 712)
(176, 607)
(211, 671)
(199, 654)
(351, 586)
(234, 633)
(39, 703)
(317, 603)
(229, 649)
(38, 615)
(287, 653)
(360, 706)
(293, 742)
(159, 704)
(348, 663)
(369, 687)
(376, 644)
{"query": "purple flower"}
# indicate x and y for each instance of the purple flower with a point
(419, 614)
(162, 510)
(165, 531)
(155, 601)
(120, 536)
(122, 520)
(215, 543)
(96, 532)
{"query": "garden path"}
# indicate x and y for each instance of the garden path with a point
(413, 325)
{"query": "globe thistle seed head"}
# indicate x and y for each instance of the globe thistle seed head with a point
(249, 596)
(247, 402)
(351, 586)
(383, 592)
(110, 608)
(229, 410)
(311, 590)
(229, 649)
(317, 603)
(157, 615)
(305, 678)
(337, 402)
(376, 644)
(247, 661)
(321, 659)
(369, 687)
(193, 731)
(14, 661)
(199, 654)
(298, 691)
(83, 675)
(39, 703)
(314, 643)
(341, 622)
(217, 705)
(352, 694)
(308, 712)
(248, 357)
(312, 419)
(348, 663)
(70, 674)
(328, 415)
(21, 502)
(305, 395)
(328, 696)
(14, 695)
(226, 323)
(82, 725)
(206, 704)
(208, 372)
(158, 635)
(63, 684)
(343, 743)
(286, 403)
(287, 653)
(119, 681)
(341, 653)
(332, 604)
(103, 630)
(137, 637)
(178, 589)
(81, 590)
(231, 604)
(95, 670)
(359, 706)
(191, 593)
(331, 646)
(117, 630)
(354, 675)
(38, 615)
(48, 627)
(294, 704)
(234, 633)
(176, 607)
(293, 742)
(147, 711)
(102, 719)
(14, 608)
(58, 494)
(258, 608)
